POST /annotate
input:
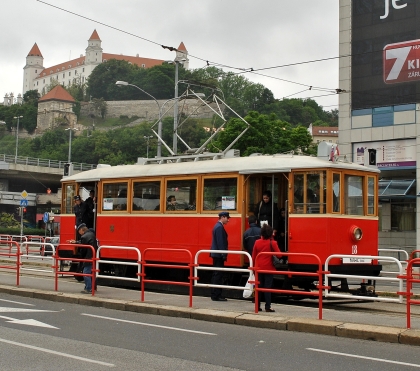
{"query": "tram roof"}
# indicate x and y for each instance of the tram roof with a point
(279, 163)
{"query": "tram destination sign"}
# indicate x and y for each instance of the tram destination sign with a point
(356, 260)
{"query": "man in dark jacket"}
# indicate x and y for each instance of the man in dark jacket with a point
(219, 242)
(87, 238)
(252, 234)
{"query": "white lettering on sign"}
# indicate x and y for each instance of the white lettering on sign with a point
(395, 5)
(400, 55)
(356, 261)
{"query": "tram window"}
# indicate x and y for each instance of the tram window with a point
(310, 193)
(181, 195)
(353, 186)
(70, 190)
(115, 196)
(220, 194)
(146, 196)
(336, 193)
(371, 196)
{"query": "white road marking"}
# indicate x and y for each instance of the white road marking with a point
(17, 302)
(57, 353)
(24, 310)
(149, 324)
(29, 322)
(364, 357)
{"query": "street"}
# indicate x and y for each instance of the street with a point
(44, 335)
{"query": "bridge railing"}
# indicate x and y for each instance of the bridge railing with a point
(32, 161)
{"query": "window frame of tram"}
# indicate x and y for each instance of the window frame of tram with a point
(353, 194)
(149, 203)
(113, 192)
(68, 199)
(307, 195)
(185, 192)
(220, 193)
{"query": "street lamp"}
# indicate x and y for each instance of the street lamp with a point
(17, 135)
(70, 131)
(147, 140)
(175, 136)
(159, 146)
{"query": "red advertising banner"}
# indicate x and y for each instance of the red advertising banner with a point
(402, 62)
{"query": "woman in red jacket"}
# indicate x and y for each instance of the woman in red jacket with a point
(265, 262)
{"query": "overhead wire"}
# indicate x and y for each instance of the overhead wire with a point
(241, 70)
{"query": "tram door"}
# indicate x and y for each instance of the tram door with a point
(89, 194)
(277, 185)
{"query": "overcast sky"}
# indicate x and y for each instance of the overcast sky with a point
(237, 33)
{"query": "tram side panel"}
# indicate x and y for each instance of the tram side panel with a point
(192, 233)
(325, 236)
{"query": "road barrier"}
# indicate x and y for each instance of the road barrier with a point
(33, 251)
(6, 250)
(397, 251)
(116, 262)
(288, 273)
(410, 280)
(197, 267)
(398, 278)
(189, 266)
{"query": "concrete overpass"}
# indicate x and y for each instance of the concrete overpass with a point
(33, 174)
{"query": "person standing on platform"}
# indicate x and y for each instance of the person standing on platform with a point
(252, 234)
(219, 242)
(265, 262)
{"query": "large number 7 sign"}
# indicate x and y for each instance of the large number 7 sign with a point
(401, 62)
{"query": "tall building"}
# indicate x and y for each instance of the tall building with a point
(379, 106)
(38, 77)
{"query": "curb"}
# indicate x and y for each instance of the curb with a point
(298, 324)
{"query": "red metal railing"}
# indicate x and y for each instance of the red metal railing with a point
(6, 248)
(189, 266)
(410, 279)
(57, 259)
(318, 274)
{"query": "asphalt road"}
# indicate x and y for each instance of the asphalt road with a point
(45, 335)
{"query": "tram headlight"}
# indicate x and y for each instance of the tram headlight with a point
(356, 233)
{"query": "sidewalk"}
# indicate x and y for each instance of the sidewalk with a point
(353, 319)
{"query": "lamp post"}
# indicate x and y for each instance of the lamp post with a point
(17, 135)
(175, 136)
(159, 146)
(70, 131)
(147, 145)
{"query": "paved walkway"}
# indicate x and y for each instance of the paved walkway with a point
(363, 320)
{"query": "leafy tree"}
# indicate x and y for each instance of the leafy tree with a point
(101, 83)
(31, 97)
(266, 134)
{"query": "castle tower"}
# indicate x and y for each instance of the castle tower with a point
(94, 50)
(181, 54)
(34, 66)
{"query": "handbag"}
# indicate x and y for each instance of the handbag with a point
(278, 264)
(249, 287)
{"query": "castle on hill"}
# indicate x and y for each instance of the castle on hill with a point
(38, 77)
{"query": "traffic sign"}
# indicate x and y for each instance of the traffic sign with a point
(24, 194)
(23, 202)
(46, 217)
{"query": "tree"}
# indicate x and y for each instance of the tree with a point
(266, 134)
(31, 97)
(100, 106)
(101, 83)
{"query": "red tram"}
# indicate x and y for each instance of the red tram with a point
(332, 206)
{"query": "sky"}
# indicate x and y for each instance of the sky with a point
(235, 35)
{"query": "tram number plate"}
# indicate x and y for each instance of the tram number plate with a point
(356, 261)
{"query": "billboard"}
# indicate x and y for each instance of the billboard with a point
(385, 53)
(391, 154)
